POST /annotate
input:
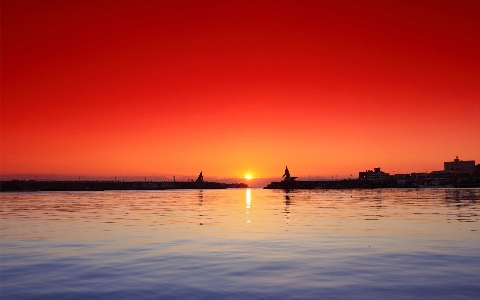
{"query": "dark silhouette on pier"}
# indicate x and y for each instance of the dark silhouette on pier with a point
(200, 178)
(287, 175)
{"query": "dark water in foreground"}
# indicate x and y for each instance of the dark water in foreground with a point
(241, 244)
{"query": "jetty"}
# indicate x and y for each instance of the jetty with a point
(291, 183)
(92, 185)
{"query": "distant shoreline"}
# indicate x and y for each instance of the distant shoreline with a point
(96, 185)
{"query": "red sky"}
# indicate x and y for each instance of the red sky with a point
(233, 87)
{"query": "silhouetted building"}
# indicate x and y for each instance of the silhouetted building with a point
(375, 175)
(459, 166)
(402, 179)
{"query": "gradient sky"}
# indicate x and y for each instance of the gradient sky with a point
(105, 88)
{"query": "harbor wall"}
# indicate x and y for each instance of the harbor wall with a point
(33, 185)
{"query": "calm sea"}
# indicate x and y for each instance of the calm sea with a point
(241, 244)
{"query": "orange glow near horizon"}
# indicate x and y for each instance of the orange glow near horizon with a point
(123, 88)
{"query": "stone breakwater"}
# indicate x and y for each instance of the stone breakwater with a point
(33, 185)
(335, 184)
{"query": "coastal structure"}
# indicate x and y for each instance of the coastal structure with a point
(200, 178)
(375, 175)
(290, 183)
(459, 166)
(95, 185)
(461, 174)
(286, 176)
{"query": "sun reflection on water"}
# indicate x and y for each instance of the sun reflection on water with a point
(248, 200)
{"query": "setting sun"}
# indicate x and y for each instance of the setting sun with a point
(248, 176)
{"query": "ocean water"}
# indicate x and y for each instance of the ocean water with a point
(241, 244)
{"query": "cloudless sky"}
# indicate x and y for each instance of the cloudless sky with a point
(234, 87)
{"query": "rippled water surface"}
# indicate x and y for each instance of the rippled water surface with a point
(241, 244)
